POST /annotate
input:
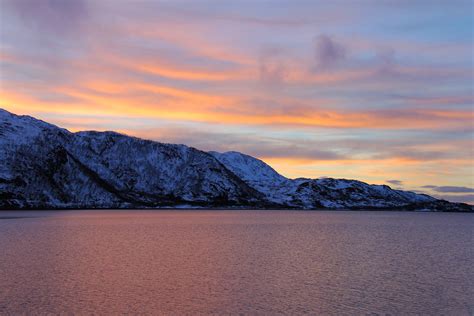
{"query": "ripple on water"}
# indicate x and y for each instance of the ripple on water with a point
(253, 262)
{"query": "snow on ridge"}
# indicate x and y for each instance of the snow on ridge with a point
(247, 167)
(18, 130)
(110, 169)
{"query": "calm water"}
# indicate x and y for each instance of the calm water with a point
(251, 262)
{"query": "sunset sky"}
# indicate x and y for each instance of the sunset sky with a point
(379, 91)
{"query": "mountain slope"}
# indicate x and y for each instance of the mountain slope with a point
(316, 193)
(258, 175)
(43, 166)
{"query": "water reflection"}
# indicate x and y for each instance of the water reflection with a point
(236, 262)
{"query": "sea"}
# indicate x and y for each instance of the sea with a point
(194, 262)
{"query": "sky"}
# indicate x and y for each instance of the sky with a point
(375, 90)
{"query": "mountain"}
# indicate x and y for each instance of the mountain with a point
(327, 192)
(44, 166)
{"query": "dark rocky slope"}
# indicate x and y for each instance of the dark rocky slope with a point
(43, 166)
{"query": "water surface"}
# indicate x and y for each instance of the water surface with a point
(252, 262)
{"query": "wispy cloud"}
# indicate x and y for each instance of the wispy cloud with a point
(312, 87)
(50, 16)
(395, 182)
(273, 70)
(328, 53)
(449, 189)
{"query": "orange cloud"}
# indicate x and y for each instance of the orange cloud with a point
(177, 104)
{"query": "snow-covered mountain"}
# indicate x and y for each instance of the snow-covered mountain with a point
(326, 192)
(44, 166)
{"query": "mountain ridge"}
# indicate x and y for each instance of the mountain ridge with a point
(45, 166)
